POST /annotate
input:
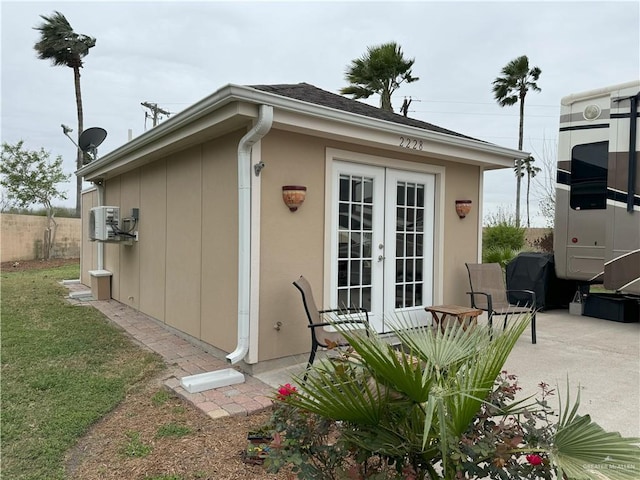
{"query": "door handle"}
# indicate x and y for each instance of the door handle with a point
(380, 258)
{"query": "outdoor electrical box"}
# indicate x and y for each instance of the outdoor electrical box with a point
(104, 223)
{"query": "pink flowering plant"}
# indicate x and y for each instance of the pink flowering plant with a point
(442, 407)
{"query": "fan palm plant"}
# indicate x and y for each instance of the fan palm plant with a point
(64, 47)
(414, 406)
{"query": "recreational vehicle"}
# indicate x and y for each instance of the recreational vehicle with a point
(597, 220)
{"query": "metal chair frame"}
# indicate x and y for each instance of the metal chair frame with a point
(314, 316)
(499, 306)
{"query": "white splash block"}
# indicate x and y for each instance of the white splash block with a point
(207, 381)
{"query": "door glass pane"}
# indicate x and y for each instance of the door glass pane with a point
(400, 223)
(419, 219)
(343, 298)
(356, 217)
(356, 189)
(355, 272)
(343, 271)
(408, 295)
(399, 296)
(410, 244)
(400, 194)
(343, 213)
(411, 194)
(356, 245)
(409, 270)
(367, 217)
(368, 191)
(420, 196)
(400, 244)
(343, 245)
(411, 219)
(344, 188)
(366, 299)
(355, 252)
(366, 245)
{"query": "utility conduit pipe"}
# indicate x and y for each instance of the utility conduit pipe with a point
(259, 130)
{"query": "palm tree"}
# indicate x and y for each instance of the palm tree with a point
(510, 88)
(60, 44)
(381, 70)
(532, 171)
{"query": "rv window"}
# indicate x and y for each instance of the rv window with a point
(589, 176)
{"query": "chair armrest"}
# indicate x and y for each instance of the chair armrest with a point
(347, 310)
(338, 322)
(343, 310)
(528, 292)
(364, 321)
(489, 300)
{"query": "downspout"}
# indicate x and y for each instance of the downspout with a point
(100, 245)
(259, 130)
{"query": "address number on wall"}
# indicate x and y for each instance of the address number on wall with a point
(410, 143)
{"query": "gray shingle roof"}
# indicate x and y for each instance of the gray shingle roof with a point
(312, 94)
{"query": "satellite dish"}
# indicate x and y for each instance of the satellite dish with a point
(91, 138)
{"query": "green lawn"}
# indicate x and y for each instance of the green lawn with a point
(63, 368)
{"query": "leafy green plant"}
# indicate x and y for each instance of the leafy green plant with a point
(501, 230)
(30, 178)
(302, 439)
(173, 430)
(442, 408)
(135, 447)
(160, 398)
(499, 254)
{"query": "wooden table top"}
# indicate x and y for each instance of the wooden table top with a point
(454, 310)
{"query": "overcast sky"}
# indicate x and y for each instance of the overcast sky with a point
(176, 53)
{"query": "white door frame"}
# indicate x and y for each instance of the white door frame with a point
(333, 155)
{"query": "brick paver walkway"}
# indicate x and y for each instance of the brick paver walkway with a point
(185, 359)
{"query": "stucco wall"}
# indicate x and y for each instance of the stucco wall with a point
(23, 237)
(292, 244)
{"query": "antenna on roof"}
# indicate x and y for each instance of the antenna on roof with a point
(404, 109)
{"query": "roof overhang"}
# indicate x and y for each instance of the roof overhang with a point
(234, 107)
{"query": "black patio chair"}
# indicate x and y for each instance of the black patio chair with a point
(488, 293)
(319, 336)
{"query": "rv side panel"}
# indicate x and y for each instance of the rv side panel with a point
(597, 234)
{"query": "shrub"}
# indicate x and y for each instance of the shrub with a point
(501, 231)
(441, 408)
(501, 239)
(545, 242)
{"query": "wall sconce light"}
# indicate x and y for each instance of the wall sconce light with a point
(463, 207)
(293, 196)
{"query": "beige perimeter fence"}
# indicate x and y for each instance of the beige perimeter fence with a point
(22, 237)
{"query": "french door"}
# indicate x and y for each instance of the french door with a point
(382, 252)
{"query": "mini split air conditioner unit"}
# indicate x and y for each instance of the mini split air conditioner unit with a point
(104, 224)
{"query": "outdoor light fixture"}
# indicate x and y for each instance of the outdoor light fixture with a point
(293, 196)
(463, 207)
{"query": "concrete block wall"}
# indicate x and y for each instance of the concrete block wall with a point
(22, 237)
